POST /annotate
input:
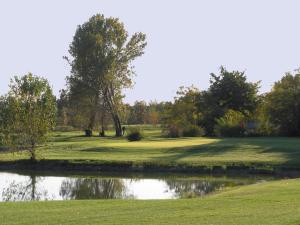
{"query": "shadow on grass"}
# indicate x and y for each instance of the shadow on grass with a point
(287, 148)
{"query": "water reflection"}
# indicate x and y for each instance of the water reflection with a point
(197, 188)
(24, 191)
(92, 188)
(15, 187)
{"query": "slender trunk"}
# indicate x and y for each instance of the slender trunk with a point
(89, 131)
(114, 114)
(32, 151)
(118, 126)
(90, 127)
(102, 132)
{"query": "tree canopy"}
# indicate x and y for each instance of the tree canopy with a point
(29, 112)
(102, 53)
(283, 104)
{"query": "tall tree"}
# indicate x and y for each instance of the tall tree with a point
(102, 53)
(30, 112)
(283, 104)
(228, 91)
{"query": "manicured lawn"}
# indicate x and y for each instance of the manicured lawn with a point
(261, 151)
(276, 202)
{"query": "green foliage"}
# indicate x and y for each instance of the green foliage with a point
(232, 91)
(283, 105)
(193, 131)
(172, 131)
(183, 113)
(135, 134)
(101, 58)
(232, 124)
(29, 112)
(229, 90)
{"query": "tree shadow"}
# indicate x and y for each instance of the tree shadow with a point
(285, 150)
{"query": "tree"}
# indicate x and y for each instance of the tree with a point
(283, 104)
(30, 112)
(101, 64)
(138, 113)
(183, 114)
(62, 108)
(227, 91)
(232, 91)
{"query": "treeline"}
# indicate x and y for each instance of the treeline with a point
(69, 116)
(231, 106)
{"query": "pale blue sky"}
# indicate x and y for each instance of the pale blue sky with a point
(187, 40)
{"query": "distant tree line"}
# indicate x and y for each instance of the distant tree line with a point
(231, 106)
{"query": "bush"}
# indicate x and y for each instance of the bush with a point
(172, 131)
(193, 131)
(88, 133)
(135, 134)
(230, 125)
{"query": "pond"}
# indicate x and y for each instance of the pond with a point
(31, 186)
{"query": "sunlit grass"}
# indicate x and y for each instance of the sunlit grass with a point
(276, 202)
(155, 148)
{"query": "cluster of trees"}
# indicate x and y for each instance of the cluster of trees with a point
(101, 54)
(232, 106)
(140, 112)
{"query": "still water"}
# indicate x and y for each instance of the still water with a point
(29, 187)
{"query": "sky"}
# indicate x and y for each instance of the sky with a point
(187, 40)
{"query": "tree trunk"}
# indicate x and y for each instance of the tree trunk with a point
(89, 131)
(118, 126)
(32, 151)
(114, 112)
(102, 132)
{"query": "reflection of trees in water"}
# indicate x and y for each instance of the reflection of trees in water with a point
(194, 188)
(92, 188)
(24, 191)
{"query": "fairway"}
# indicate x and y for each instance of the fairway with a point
(276, 202)
(262, 152)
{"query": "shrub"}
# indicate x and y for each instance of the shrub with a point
(172, 131)
(230, 125)
(135, 134)
(88, 133)
(193, 131)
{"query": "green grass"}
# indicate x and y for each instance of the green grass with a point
(276, 202)
(266, 151)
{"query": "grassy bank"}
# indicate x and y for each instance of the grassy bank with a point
(155, 151)
(276, 202)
